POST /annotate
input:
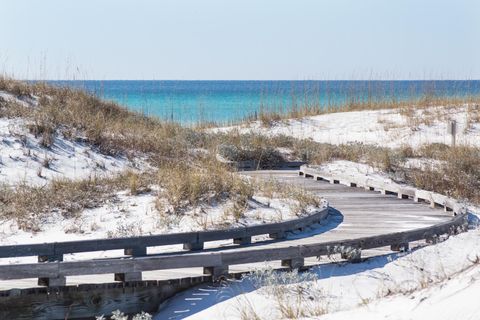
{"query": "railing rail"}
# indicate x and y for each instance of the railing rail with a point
(418, 195)
(224, 258)
(191, 240)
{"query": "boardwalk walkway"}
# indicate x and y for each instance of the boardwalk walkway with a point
(363, 213)
(357, 218)
(354, 213)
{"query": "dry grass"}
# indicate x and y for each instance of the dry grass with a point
(185, 186)
(457, 175)
(299, 199)
(109, 127)
(407, 107)
(31, 205)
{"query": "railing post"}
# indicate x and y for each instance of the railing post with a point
(294, 263)
(216, 271)
(193, 246)
(52, 258)
(136, 251)
(278, 235)
(242, 240)
(59, 281)
(433, 239)
(128, 276)
(52, 282)
(402, 247)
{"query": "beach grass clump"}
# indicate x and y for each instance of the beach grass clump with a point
(299, 199)
(266, 156)
(109, 127)
(185, 186)
(456, 175)
(17, 88)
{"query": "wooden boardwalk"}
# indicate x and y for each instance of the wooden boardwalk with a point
(359, 224)
(355, 213)
(360, 212)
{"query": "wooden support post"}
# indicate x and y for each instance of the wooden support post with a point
(51, 282)
(242, 240)
(60, 281)
(129, 276)
(136, 251)
(278, 235)
(193, 246)
(402, 247)
(216, 272)
(432, 239)
(452, 130)
(54, 258)
(294, 263)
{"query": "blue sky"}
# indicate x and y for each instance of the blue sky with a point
(240, 39)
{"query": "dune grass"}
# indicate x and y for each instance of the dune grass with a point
(269, 117)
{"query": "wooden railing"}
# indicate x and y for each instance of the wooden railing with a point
(217, 263)
(403, 192)
(137, 246)
(54, 270)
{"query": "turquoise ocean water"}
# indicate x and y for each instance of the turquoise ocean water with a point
(224, 101)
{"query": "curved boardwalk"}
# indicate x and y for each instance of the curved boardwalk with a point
(366, 221)
(363, 213)
(355, 213)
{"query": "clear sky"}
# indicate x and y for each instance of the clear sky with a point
(240, 39)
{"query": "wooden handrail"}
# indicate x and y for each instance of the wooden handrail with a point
(55, 249)
(224, 257)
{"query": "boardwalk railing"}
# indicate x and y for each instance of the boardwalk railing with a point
(216, 263)
(142, 295)
(137, 246)
(403, 192)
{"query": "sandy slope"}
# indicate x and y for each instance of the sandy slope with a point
(379, 127)
(383, 287)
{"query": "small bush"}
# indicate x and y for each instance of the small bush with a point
(266, 156)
